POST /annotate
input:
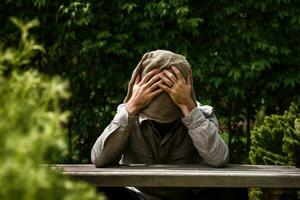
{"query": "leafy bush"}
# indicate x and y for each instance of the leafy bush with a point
(276, 142)
(242, 53)
(291, 144)
(31, 127)
(273, 141)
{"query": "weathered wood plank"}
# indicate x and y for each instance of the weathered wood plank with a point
(263, 176)
(89, 167)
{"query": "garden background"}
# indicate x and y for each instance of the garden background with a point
(244, 55)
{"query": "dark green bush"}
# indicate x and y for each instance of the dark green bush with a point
(273, 141)
(276, 141)
(242, 53)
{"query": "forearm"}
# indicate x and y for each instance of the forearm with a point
(132, 108)
(206, 139)
(107, 149)
(112, 142)
(187, 108)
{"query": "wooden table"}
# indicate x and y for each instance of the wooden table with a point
(272, 179)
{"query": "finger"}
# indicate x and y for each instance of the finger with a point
(170, 75)
(156, 92)
(153, 80)
(165, 88)
(148, 76)
(177, 73)
(188, 81)
(165, 80)
(137, 79)
(155, 85)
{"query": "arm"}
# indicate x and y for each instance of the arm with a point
(112, 142)
(204, 130)
(200, 120)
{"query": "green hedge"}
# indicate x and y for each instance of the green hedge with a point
(242, 53)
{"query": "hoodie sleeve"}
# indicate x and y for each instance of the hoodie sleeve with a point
(203, 128)
(112, 142)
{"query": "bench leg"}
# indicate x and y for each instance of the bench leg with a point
(272, 194)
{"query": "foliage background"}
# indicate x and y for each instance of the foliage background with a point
(244, 55)
(31, 127)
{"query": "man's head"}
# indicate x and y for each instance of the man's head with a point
(161, 109)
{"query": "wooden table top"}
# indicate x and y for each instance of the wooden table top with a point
(264, 176)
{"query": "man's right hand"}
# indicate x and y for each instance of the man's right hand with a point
(143, 92)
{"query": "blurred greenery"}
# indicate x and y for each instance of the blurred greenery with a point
(244, 56)
(31, 127)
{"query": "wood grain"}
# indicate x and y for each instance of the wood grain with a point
(264, 176)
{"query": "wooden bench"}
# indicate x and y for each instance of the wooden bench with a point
(272, 179)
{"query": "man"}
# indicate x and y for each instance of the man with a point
(160, 122)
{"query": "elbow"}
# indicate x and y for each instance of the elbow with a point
(99, 164)
(223, 160)
(104, 158)
(97, 161)
(217, 163)
(220, 161)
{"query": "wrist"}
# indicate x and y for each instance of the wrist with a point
(132, 109)
(188, 107)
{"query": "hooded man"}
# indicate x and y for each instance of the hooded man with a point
(160, 122)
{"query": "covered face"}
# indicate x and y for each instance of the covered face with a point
(161, 109)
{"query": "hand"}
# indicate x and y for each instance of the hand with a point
(179, 89)
(143, 92)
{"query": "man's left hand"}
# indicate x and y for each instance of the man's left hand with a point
(179, 89)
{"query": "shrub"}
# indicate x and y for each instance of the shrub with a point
(291, 143)
(276, 141)
(31, 123)
(271, 141)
